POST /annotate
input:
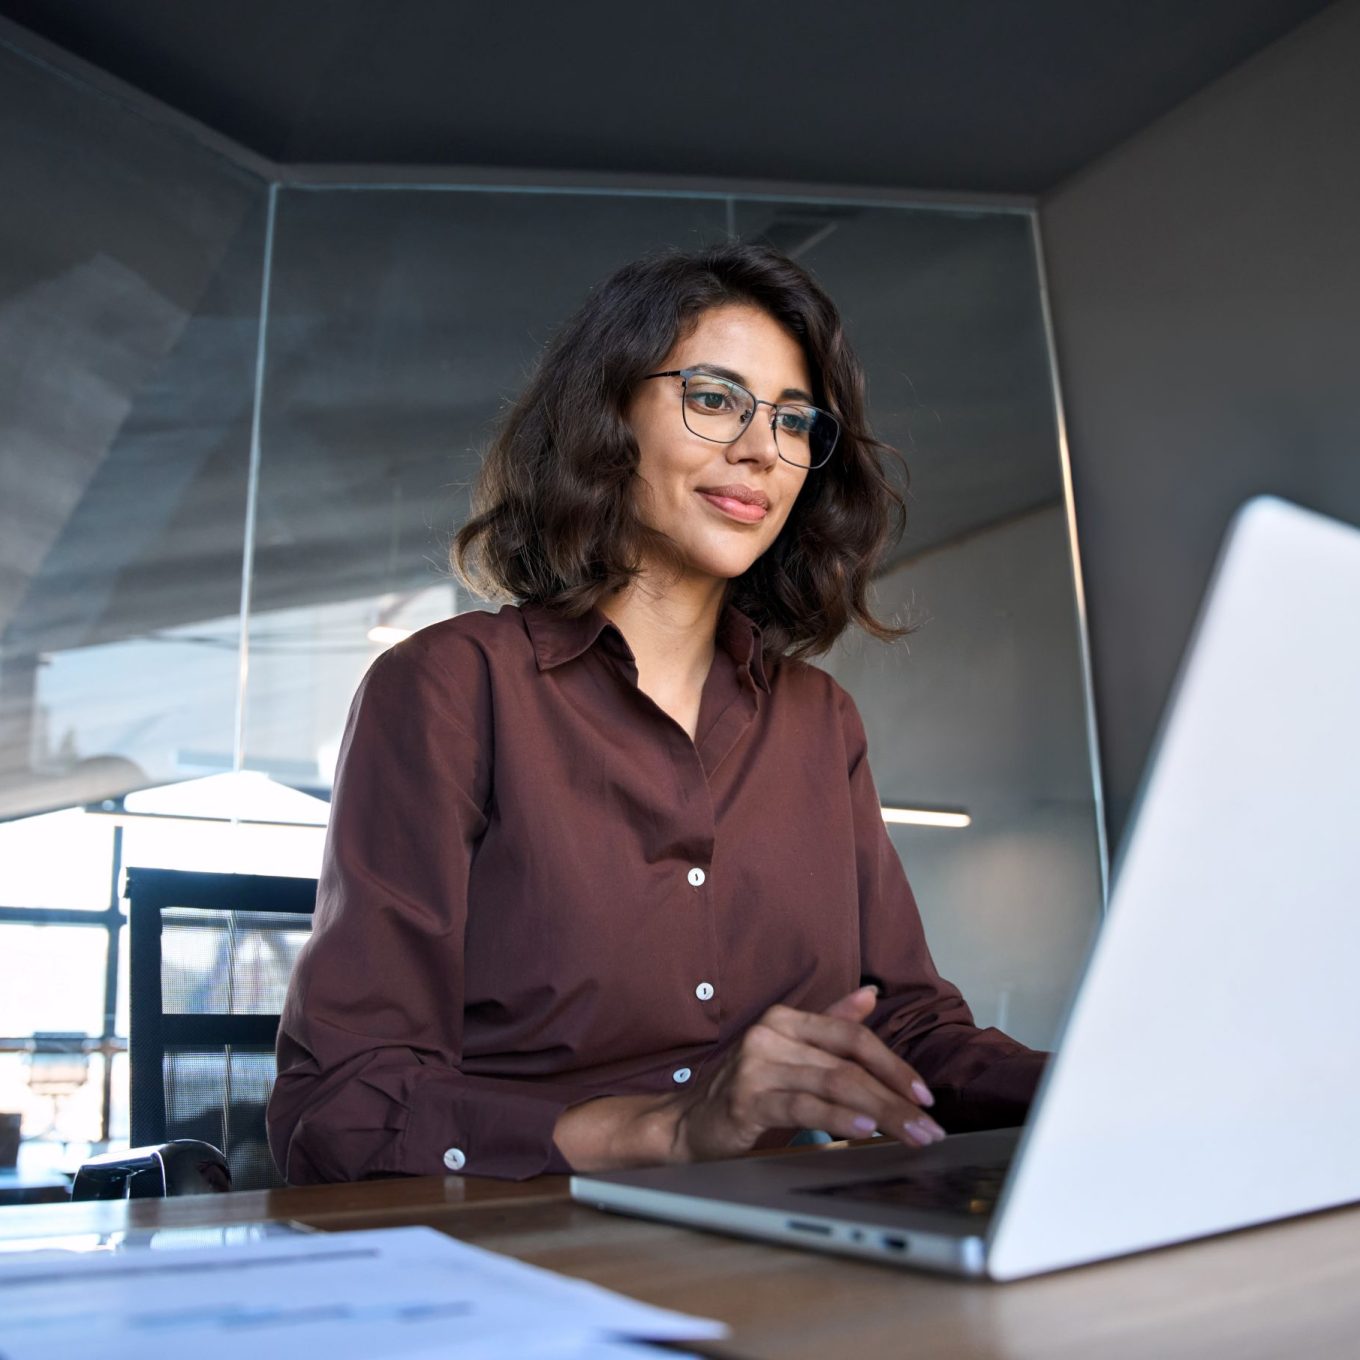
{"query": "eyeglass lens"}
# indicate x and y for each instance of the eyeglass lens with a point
(720, 410)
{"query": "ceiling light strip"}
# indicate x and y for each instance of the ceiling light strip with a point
(901, 816)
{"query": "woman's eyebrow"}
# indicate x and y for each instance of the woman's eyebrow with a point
(788, 394)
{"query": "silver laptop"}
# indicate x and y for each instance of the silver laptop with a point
(1208, 1073)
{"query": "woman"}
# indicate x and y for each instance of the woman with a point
(606, 882)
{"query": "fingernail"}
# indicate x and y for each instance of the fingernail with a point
(863, 1124)
(922, 1093)
(870, 987)
(925, 1130)
(918, 1133)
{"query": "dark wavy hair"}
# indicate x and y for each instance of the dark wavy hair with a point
(554, 521)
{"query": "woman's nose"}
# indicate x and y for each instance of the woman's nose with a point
(756, 443)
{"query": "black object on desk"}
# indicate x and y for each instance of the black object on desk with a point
(183, 1167)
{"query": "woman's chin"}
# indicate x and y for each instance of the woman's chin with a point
(731, 556)
(724, 568)
(714, 561)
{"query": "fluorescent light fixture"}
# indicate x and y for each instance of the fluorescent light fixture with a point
(925, 817)
(387, 634)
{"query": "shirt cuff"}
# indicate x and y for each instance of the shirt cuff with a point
(986, 1081)
(482, 1126)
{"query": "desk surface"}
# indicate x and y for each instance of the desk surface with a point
(1292, 1289)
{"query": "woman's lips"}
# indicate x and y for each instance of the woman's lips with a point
(739, 503)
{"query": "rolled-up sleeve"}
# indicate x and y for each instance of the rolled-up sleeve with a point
(981, 1078)
(371, 1039)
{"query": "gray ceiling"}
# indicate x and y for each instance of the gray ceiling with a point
(971, 95)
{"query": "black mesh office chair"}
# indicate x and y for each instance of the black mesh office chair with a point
(209, 961)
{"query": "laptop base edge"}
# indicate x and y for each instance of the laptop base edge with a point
(945, 1253)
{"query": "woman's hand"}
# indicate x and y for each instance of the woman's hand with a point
(796, 1069)
(791, 1070)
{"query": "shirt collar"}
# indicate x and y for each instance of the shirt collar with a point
(742, 641)
(557, 639)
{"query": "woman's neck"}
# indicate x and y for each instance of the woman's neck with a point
(671, 633)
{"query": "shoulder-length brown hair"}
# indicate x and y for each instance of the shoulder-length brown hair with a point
(554, 520)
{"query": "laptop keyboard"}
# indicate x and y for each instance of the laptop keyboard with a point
(955, 1189)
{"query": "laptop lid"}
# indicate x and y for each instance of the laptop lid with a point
(1206, 1078)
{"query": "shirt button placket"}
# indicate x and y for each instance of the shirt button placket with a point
(704, 991)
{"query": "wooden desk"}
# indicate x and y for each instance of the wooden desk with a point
(1290, 1290)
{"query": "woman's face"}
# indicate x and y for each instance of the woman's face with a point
(722, 505)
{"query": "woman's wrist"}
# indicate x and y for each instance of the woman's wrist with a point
(616, 1132)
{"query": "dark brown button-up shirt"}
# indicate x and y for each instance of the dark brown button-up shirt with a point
(537, 889)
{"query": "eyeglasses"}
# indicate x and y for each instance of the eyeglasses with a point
(720, 410)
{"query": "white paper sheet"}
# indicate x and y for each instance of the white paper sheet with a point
(400, 1292)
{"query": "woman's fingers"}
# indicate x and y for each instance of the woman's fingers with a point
(865, 1105)
(806, 1111)
(851, 1041)
(798, 1069)
(856, 1006)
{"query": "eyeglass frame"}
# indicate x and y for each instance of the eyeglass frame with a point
(685, 374)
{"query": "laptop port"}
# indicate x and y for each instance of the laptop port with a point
(894, 1243)
(801, 1225)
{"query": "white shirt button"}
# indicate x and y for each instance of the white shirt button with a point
(681, 1075)
(696, 878)
(454, 1159)
(704, 991)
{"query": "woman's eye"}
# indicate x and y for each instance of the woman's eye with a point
(796, 422)
(710, 399)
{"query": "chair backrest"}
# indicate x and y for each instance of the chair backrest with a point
(209, 960)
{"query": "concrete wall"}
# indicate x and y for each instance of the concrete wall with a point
(1205, 283)
(982, 708)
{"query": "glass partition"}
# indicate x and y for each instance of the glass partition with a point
(402, 320)
(130, 269)
(130, 265)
